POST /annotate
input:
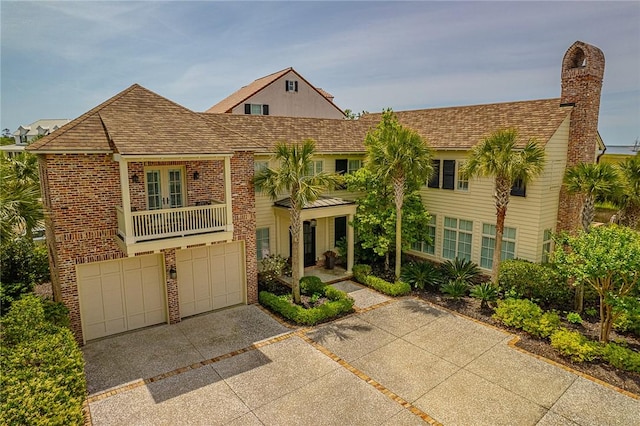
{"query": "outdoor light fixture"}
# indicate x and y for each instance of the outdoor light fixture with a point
(196, 175)
(172, 273)
(135, 178)
(314, 223)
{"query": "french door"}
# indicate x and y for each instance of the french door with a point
(165, 188)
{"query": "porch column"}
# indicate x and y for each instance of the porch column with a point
(129, 238)
(350, 243)
(227, 193)
(301, 249)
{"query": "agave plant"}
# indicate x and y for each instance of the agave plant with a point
(461, 269)
(421, 275)
(486, 292)
(455, 289)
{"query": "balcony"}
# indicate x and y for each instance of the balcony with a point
(151, 230)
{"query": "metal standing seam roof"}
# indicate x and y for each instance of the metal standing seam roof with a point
(320, 202)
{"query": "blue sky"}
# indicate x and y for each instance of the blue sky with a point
(59, 59)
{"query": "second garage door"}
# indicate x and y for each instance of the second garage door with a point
(210, 277)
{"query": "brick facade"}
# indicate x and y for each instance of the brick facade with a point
(80, 195)
(582, 74)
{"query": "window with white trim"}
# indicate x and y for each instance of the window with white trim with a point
(314, 168)
(547, 245)
(463, 179)
(262, 242)
(446, 175)
(353, 166)
(256, 109)
(488, 243)
(426, 246)
(291, 86)
(456, 242)
(260, 165)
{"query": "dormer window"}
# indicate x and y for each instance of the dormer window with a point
(291, 86)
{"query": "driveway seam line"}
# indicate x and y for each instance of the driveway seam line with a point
(515, 339)
(369, 380)
(194, 366)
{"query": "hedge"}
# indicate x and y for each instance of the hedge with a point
(540, 283)
(524, 314)
(398, 288)
(43, 378)
(339, 303)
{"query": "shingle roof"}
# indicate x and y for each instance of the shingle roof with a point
(329, 134)
(138, 121)
(245, 92)
(463, 127)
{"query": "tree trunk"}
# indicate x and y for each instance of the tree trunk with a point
(503, 188)
(606, 320)
(295, 258)
(398, 193)
(578, 301)
(588, 212)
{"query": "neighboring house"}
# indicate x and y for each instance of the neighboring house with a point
(26, 134)
(284, 93)
(144, 230)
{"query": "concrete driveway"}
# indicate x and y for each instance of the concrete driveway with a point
(395, 362)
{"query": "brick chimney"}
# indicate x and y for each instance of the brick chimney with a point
(582, 72)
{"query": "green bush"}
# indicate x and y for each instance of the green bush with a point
(271, 268)
(621, 357)
(575, 345)
(485, 292)
(461, 269)
(339, 303)
(360, 272)
(455, 289)
(574, 318)
(56, 313)
(399, 288)
(421, 275)
(311, 285)
(539, 283)
(43, 369)
(526, 315)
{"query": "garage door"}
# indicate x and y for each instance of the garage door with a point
(210, 277)
(121, 295)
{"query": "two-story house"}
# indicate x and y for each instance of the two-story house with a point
(25, 134)
(152, 217)
(283, 93)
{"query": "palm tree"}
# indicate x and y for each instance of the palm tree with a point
(497, 156)
(294, 177)
(20, 206)
(627, 195)
(592, 181)
(398, 155)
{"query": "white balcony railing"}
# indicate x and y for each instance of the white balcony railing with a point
(167, 223)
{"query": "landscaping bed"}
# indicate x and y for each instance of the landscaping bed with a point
(470, 307)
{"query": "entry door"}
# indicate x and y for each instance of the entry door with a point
(165, 188)
(309, 241)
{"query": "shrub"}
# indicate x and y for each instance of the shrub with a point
(574, 318)
(461, 269)
(271, 268)
(56, 313)
(339, 303)
(43, 369)
(360, 272)
(545, 326)
(575, 345)
(399, 288)
(311, 285)
(526, 315)
(628, 322)
(539, 283)
(486, 292)
(421, 275)
(621, 357)
(455, 289)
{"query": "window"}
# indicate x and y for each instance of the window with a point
(262, 242)
(354, 165)
(463, 180)
(314, 168)
(260, 165)
(547, 245)
(428, 247)
(165, 187)
(519, 189)
(457, 238)
(339, 229)
(256, 109)
(488, 241)
(291, 86)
